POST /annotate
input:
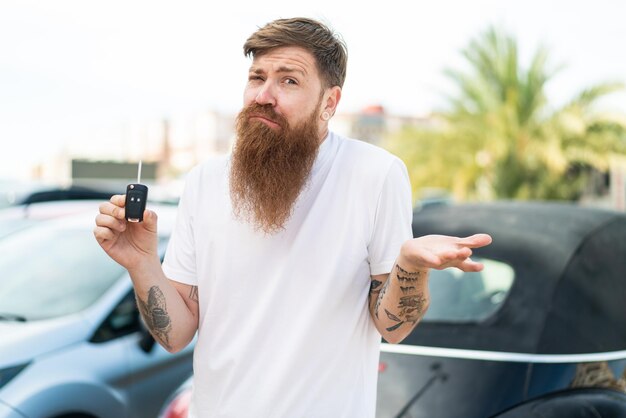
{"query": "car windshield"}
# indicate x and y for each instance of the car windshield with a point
(457, 296)
(52, 270)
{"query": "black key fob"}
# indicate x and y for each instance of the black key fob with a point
(136, 197)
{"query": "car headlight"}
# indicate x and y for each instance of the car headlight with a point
(9, 373)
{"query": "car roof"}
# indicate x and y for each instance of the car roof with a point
(569, 289)
(83, 211)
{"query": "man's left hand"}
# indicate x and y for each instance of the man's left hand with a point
(442, 251)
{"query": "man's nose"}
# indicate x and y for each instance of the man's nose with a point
(266, 95)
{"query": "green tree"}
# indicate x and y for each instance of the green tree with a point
(500, 138)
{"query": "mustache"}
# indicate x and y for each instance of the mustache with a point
(266, 111)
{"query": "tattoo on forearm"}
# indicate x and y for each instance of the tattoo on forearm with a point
(392, 316)
(374, 287)
(380, 297)
(411, 310)
(410, 273)
(374, 291)
(407, 290)
(412, 307)
(155, 315)
(395, 319)
(405, 276)
(193, 294)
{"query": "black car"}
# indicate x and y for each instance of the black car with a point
(540, 332)
(16, 193)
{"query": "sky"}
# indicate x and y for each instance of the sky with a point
(72, 68)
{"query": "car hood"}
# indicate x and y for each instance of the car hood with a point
(22, 342)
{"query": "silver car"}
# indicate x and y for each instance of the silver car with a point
(71, 341)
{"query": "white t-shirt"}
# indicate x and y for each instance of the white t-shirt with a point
(285, 330)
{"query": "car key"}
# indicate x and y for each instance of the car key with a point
(136, 196)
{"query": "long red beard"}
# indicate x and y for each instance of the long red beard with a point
(270, 167)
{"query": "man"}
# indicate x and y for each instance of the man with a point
(292, 256)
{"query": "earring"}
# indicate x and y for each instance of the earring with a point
(325, 115)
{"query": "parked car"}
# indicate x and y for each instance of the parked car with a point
(543, 323)
(539, 333)
(15, 193)
(71, 340)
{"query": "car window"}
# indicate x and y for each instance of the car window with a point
(53, 270)
(123, 320)
(474, 296)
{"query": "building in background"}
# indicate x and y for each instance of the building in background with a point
(170, 147)
(372, 124)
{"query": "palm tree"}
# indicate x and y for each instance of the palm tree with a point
(501, 139)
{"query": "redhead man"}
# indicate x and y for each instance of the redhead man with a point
(292, 255)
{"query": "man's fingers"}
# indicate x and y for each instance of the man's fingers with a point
(475, 241)
(110, 222)
(150, 220)
(103, 234)
(111, 209)
(469, 265)
(464, 252)
(427, 260)
(119, 200)
(453, 256)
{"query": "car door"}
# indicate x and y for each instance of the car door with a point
(153, 372)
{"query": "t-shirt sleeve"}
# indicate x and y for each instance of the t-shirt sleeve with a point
(392, 221)
(179, 263)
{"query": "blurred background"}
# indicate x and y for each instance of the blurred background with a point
(483, 100)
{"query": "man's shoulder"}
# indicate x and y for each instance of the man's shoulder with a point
(206, 173)
(214, 165)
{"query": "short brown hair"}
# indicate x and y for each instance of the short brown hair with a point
(327, 47)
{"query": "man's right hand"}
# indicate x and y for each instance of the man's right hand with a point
(129, 244)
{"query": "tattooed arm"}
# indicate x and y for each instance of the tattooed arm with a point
(399, 300)
(169, 309)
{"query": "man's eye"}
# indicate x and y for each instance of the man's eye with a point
(290, 81)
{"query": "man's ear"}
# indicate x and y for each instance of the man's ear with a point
(331, 100)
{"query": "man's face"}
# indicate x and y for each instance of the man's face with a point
(287, 79)
(278, 134)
